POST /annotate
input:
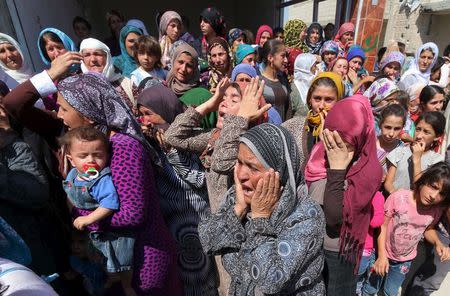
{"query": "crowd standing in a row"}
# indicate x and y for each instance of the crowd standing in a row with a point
(224, 165)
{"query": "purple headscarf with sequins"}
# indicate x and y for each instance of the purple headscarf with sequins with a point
(394, 56)
(379, 91)
(330, 46)
(96, 99)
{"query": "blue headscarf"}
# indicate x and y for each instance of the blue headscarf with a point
(125, 62)
(67, 42)
(356, 51)
(243, 68)
(242, 51)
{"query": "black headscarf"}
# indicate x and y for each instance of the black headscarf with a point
(314, 48)
(215, 19)
(275, 148)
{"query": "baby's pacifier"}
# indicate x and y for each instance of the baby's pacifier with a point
(91, 170)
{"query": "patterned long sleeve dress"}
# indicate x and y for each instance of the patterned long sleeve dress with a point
(267, 258)
(184, 202)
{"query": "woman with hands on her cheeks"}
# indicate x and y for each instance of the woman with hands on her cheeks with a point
(274, 231)
(218, 148)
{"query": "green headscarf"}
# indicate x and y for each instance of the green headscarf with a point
(292, 31)
(196, 97)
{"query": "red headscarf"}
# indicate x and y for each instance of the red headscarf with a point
(262, 29)
(352, 118)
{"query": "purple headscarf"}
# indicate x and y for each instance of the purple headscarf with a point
(329, 46)
(394, 56)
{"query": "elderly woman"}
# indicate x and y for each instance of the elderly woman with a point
(97, 58)
(344, 37)
(12, 60)
(89, 99)
(274, 231)
(170, 29)
(184, 74)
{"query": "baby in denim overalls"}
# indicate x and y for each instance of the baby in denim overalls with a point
(89, 186)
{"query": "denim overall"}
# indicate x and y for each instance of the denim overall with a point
(116, 247)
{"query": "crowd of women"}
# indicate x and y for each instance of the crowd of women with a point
(224, 165)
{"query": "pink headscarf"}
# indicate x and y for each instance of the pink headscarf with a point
(353, 120)
(262, 29)
(345, 27)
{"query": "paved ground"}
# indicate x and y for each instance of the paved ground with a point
(445, 288)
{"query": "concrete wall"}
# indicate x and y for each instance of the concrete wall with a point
(416, 28)
(304, 11)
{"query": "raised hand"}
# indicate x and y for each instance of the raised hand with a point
(418, 149)
(213, 103)
(249, 107)
(61, 65)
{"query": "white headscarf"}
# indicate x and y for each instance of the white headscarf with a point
(138, 24)
(302, 73)
(108, 71)
(413, 74)
(25, 72)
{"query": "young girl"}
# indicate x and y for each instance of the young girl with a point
(340, 67)
(409, 215)
(432, 98)
(329, 53)
(391, 65)
(147, 53)
(276, 90)
(89, 186)
(392, 121)
(405, 164)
